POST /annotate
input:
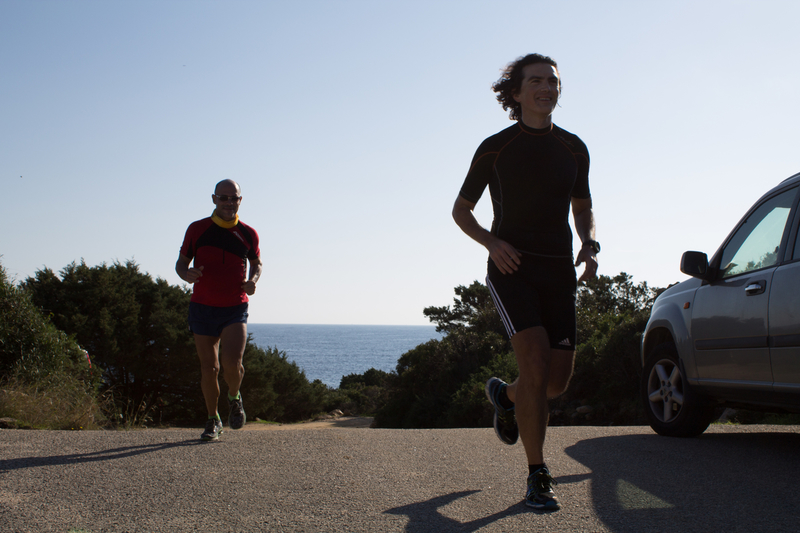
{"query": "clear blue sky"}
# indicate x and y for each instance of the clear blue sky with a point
(351, 124)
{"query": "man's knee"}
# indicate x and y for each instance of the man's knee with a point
(561, 367)
(209, 369)
(207, 352)
(556, 389)
(533, 367)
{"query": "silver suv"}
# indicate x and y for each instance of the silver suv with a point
(730, 335)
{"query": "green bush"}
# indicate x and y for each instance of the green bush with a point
(607, 374)
(134, 327)
(276, 389)
(441, 383)
(361, 394)
(469, 407)
(611, 316)
(435, 384)
(46, 379)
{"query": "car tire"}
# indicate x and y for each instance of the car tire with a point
(671, 406)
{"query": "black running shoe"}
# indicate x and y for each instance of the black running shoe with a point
(213, 429)
(236, 416)
(540, 493)
(505, 424)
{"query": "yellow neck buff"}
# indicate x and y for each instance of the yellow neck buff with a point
(224, 223)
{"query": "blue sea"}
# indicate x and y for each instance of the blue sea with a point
(328, 352)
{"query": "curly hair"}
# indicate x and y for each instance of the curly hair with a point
(510, 82)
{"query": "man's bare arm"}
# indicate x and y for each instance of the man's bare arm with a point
(505, 256)
(256, 267)
(187, 274)
(585, 227)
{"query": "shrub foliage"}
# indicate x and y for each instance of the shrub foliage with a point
(135, 328)
(437, 383)
(46, 379)
(277, 389)
(144, 364)
(440, 383)
(612, 313)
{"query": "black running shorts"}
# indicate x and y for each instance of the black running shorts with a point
(541, 292)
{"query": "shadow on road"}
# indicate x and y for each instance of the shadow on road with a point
(101, 455)
(426, 516)
(716, 482)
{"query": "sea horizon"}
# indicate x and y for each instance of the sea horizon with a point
(337, 324)
(328, 352)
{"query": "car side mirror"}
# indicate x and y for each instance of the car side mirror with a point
(695, 264)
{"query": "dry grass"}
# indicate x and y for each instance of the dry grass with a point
(127, 416)
(59, 401)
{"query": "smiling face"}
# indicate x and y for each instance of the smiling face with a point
(227, 198)
(538, 94)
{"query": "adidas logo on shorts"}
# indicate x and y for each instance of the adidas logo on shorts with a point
(565, 342)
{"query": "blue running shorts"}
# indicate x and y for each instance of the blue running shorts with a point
(208, 320)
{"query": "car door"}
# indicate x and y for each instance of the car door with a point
(784, 324)
(730, 325)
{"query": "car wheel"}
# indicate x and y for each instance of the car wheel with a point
(670, 404)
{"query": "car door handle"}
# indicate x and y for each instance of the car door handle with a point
(757, 287)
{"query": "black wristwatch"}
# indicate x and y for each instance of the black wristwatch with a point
(594, 245)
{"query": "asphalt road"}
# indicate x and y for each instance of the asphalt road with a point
(617, 479)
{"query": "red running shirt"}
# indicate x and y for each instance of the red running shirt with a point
(223, 254)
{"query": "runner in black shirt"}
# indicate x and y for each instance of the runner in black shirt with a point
(535, 172)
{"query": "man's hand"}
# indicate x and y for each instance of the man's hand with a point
(587, 255)
(504, 256)
(249, 287)
(584, 227)
(193, 274)
(189, 275)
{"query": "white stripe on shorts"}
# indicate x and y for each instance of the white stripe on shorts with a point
(500, 309)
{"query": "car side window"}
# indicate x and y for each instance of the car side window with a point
(756, 243)
(796, 252)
